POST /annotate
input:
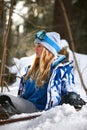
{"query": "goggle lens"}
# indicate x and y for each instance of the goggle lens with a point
(40, 35)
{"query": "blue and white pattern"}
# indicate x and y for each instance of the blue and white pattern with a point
(61, 82)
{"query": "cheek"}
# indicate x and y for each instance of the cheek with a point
(41, 49)
(39, 52)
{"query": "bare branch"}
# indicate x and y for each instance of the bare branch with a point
(5, 38)
(72, 43)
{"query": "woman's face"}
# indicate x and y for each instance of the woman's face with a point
(38, 49)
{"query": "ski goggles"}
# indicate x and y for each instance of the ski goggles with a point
(41, 35)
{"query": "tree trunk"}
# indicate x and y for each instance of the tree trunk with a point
(59, 24)
(4, 48)
(1, 27)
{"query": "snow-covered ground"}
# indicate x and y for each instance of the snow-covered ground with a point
(63, 117)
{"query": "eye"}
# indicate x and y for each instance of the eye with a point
(39, 45)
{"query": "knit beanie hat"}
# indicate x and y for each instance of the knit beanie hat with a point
(53, 48)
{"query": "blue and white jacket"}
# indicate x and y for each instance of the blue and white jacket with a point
(61, 82)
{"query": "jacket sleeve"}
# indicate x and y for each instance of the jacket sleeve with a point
(54, 89)
(61, 82)
(67, 80)
(21, 88)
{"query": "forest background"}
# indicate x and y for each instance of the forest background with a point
(21, 19)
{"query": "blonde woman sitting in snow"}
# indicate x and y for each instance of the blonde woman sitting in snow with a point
(49, 81)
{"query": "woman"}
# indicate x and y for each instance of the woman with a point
(49, 81)
(50, 77)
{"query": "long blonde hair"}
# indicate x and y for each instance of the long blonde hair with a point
(40, 70)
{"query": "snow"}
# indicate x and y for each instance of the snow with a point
(63, 117)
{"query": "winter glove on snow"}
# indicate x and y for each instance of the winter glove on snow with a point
(73, 99)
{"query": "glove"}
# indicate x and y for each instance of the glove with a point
(73, 99)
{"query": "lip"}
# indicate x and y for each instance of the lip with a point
(36, 52)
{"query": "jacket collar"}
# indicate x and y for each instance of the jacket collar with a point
(57, 60)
